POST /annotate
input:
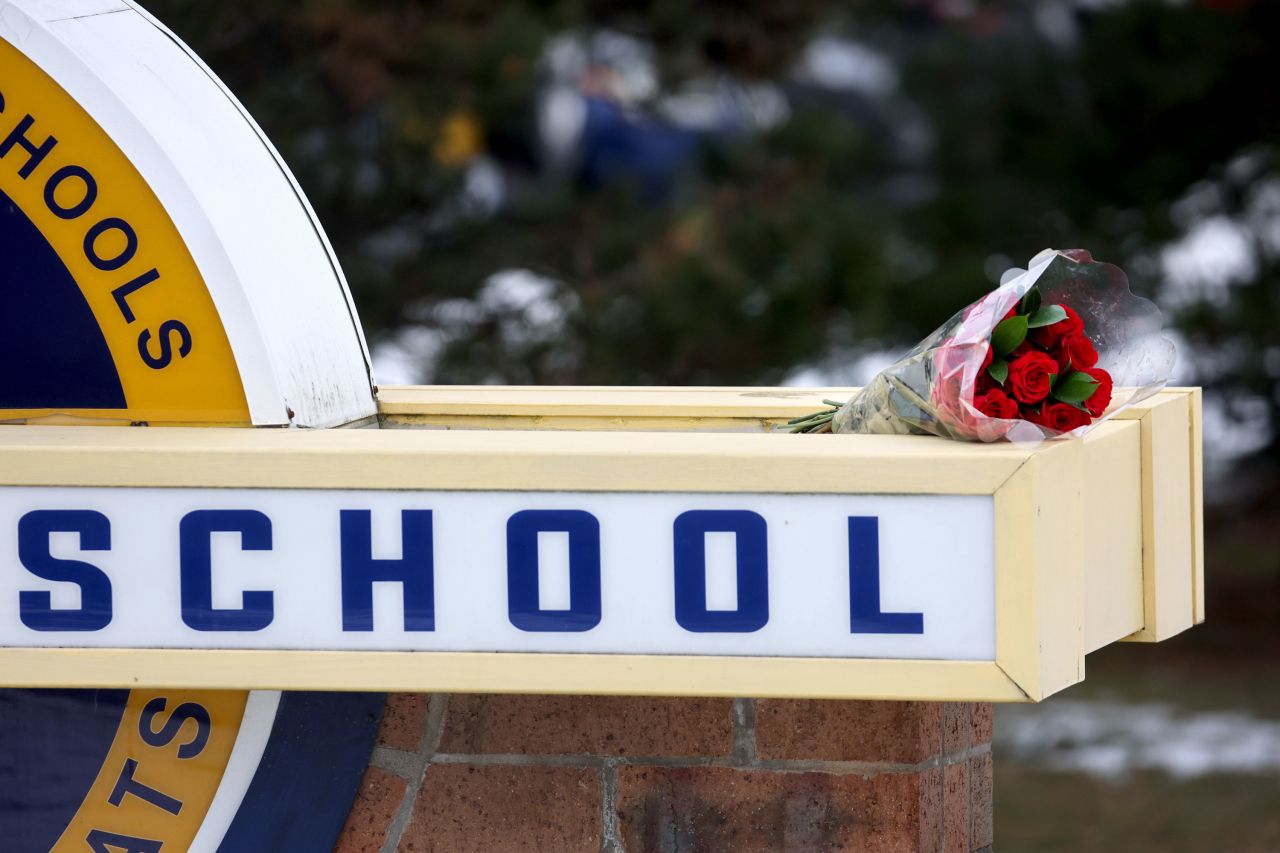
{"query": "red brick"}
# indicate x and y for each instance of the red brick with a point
(957, 731)
(982, 724)
(955, 807)
(404, 718)
(896, 732)
(980, 782)
(599, 725)
(750, 811)
(499, 808)
(375, 806)
(931, 811)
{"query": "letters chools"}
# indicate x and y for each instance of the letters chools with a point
(751, 574)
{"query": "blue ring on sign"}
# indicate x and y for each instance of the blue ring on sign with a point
(52, 353)
(52, 745)
(309, 773)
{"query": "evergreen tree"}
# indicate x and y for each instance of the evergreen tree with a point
(854, 219)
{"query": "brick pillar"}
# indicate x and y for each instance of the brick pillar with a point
(609, 774)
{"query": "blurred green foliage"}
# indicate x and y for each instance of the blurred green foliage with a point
(1120, 128)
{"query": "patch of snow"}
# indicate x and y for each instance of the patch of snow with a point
(407, 357)
(482, 194)
(1215, 253)
(1264, 213)
(562, 115)
(1112, 739)
(529, 309)
(841, 370)
(1233, 434)
(605, 62)
(1056, 21)
(725, 104)
(843, 64)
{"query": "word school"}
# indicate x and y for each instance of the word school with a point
(292, 568)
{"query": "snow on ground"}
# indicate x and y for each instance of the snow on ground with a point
(1112, 739)
(530, 309)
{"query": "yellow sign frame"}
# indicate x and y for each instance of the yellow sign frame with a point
(1134, 483)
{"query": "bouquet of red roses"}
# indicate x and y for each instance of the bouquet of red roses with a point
(1055, 348)
(1041, 366)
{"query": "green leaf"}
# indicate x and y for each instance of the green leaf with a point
(1030, 301)
(1009, 335)
(1075, 387)
(999, 370)
(1047, 316)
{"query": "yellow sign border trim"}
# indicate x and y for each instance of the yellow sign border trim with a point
(1042, 502)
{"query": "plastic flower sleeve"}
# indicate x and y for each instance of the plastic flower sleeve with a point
(931, 390)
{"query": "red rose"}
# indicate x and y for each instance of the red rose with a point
(996, 404)
(1101, 398)
(1058, 417)
(1075, 350)
(986, 361)
(1049, 336)
(1029, 376)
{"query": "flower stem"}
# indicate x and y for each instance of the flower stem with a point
(817, 421)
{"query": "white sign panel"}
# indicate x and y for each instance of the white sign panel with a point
(846, 576)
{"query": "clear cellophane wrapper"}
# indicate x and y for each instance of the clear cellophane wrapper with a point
(930, 391)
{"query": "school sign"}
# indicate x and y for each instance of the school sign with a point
(172, 592)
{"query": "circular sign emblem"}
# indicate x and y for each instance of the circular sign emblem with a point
(151, 238)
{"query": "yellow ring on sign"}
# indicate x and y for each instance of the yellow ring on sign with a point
(157, 777)
(166, 308)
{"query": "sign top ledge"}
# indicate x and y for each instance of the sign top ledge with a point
(640, 401)
(484, 460)
(18, 438)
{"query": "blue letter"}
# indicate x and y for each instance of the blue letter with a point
(35, 153)
(751, 540)
(360, 571)
(101, 841)
(126, 785)
(173, 725)
(584, 570)
(864, 584)
(35, 608)
(197, 570)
